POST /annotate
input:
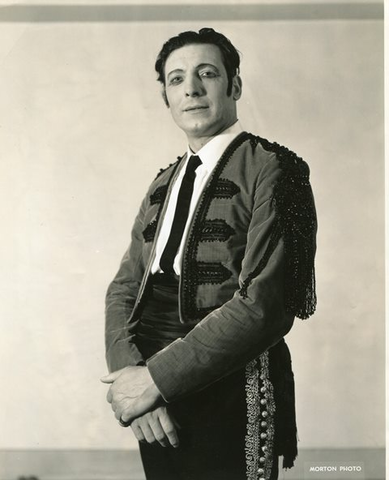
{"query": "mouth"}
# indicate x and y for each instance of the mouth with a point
(195, 108)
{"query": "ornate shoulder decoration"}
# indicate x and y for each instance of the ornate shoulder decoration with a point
(296, 224)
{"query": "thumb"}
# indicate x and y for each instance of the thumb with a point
(111, 377)
(133, 411)
(140, 405)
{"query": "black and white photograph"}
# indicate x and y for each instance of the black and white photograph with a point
(193, 215)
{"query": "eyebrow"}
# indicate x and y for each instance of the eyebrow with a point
(201, 65)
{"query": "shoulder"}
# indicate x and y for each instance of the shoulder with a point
(280, 156)
(169, 170)
(265, 164)
(158, 187)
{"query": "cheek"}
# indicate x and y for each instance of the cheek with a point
(174, 109)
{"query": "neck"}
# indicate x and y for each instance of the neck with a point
(196, 143)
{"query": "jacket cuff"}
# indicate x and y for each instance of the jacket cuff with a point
(166, 377)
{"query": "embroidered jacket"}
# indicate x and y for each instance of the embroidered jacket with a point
(247, 267)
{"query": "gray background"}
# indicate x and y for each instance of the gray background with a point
(83, 131)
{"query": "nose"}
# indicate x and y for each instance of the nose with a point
(194, 86)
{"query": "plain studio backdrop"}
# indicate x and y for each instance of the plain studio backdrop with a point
(83, 132)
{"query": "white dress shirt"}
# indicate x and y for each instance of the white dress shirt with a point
(209, 155)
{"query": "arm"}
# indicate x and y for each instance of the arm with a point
(121, 350)
(156, 425)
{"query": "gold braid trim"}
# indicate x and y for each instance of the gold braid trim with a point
(259, 441)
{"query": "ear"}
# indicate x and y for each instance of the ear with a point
(236, 87)
(164, 96)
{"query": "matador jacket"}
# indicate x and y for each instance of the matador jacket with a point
(247, 271)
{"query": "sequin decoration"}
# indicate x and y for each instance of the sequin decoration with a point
(259, 442)
(296, 222)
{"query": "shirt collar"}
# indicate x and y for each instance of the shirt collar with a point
(211, 152)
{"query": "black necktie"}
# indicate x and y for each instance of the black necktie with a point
(180, 215)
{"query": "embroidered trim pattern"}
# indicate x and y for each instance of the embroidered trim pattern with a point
(149, 232)
(158, 197)
(297, 224)
(253, 413)
(189, 264)
(259, 441)
(225, 188)
(216, 231)
(211, 273)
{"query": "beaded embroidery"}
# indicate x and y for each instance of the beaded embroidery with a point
(206, 272)
(216, 231)
(225, 188)
(159, 195)
(296, 223)
(149, 232)
(259, 441)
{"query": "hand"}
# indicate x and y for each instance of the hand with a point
(132, 392)
(156, 426)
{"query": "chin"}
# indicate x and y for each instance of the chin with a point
(201, 131)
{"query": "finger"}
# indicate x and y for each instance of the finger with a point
(146, 430)
(157, 430)
(111, 377)
(137, 431)
(132, 412)
(167, 424)
(109, 396)
(118, 416)
(123, 424)
(136, 408)
(119, 407)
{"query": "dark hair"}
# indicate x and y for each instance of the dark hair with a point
(230, 55)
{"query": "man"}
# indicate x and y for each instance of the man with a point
(221, 261)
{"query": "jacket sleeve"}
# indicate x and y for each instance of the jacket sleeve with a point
(121, 350)
(245, 326)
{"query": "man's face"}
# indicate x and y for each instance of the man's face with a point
(196, 91)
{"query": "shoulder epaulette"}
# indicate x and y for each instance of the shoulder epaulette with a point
(296, 223)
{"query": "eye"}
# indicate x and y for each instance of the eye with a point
(175, 80)
(208, 74)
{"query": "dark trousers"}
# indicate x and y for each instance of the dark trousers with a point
(212, 422)
(212, 433)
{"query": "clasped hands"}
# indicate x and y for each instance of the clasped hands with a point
(136, 401)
